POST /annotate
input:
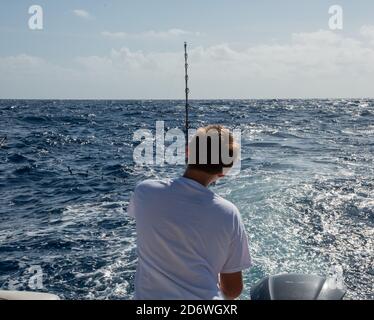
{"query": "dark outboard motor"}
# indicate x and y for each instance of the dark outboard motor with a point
(296, 287)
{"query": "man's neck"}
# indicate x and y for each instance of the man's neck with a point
(199, 176)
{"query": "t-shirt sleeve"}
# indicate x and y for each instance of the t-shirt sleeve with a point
(131, 207)
(238, 257)
(135, 199)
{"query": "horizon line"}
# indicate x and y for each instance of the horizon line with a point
(195, 99)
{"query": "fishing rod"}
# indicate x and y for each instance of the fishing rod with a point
(187, 91)
(92, 174)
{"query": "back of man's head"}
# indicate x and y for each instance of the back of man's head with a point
(212, 150)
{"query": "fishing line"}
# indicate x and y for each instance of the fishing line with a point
(187, 91)
(2, 141)
(90, 173)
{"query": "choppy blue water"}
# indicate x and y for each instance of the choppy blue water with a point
(306, 189)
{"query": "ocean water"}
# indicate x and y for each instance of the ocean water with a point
(305, 191)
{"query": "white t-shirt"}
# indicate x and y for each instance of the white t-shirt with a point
(186, 236)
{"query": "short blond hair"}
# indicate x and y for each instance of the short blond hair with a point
(212, 150)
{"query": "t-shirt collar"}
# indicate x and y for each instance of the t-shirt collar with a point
(195, 184)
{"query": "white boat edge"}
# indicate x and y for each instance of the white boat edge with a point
(26, 295)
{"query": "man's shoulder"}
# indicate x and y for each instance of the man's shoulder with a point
(226, 206)
(151, 184)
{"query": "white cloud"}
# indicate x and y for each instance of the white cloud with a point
(25, 76)
(115, 35)
(174, 32)
(317, 64)
(368, 32)
(82, 14)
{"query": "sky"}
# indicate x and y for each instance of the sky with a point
(237, 49)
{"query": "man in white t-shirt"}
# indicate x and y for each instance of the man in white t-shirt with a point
(191, 243)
